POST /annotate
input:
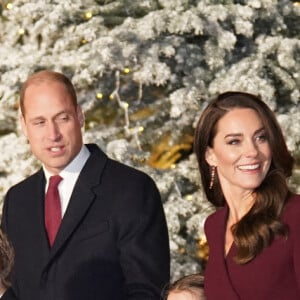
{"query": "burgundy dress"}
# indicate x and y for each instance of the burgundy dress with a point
(273, 275)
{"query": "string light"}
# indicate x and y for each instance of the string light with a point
(189, 197)
(140, 94)
(88, 15)
(83, 41)
(21, 31)
(9, 6)
(124, 104)
(136, 129)
(126, 71)
(99, 96)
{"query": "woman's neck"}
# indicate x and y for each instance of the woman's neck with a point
(239, 206)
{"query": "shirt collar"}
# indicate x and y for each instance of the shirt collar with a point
(75, 166)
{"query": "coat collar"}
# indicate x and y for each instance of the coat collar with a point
(82, 197)
(219, 261)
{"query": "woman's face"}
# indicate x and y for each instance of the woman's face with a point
(240, 151)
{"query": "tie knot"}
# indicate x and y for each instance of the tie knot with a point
(54, 180)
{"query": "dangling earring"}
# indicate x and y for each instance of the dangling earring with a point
(212, 177)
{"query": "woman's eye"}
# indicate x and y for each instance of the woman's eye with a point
(262, 138)
(233, 142)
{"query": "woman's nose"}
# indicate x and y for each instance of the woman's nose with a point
(251, 149)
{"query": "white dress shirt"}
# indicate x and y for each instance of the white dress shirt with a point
(70, 175)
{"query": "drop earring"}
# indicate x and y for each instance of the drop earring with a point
(212, 177)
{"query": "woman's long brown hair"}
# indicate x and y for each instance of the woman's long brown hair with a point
(257, 229)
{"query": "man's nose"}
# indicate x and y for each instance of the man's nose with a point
(53, 131)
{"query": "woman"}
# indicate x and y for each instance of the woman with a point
(254, 237)
(189, 287)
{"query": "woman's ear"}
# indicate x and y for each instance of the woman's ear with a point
(210, 156)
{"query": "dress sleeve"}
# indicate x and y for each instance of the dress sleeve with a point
(293, 220)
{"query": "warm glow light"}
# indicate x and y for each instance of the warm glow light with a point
(189, 197)
(181, 250)
(137, 129)
(202, 241)
(83, 41)
(111, 97)
(9, 6)
(124, 104)
(99, 96)
(126, 70)
(21, 31)
(88, 15)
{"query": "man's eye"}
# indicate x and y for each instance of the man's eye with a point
(38, 123)
(63, 118)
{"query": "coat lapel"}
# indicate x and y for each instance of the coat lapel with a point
(230, 291)
(39, 195)
(37, 235)
(81, 198)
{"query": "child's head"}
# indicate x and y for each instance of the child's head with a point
(185, 295)
(190, 287)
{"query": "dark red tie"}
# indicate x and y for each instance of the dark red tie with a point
(52, 208)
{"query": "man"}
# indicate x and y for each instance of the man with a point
(112, 242)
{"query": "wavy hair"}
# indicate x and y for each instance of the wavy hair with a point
(257, 229)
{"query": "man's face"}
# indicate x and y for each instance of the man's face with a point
(52, 124)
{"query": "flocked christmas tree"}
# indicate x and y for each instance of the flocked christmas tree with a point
(144, 70)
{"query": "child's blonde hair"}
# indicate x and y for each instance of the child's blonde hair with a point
(193, 283)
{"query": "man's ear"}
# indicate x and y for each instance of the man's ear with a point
(80, 116)
(23, 125)
(210, 156)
